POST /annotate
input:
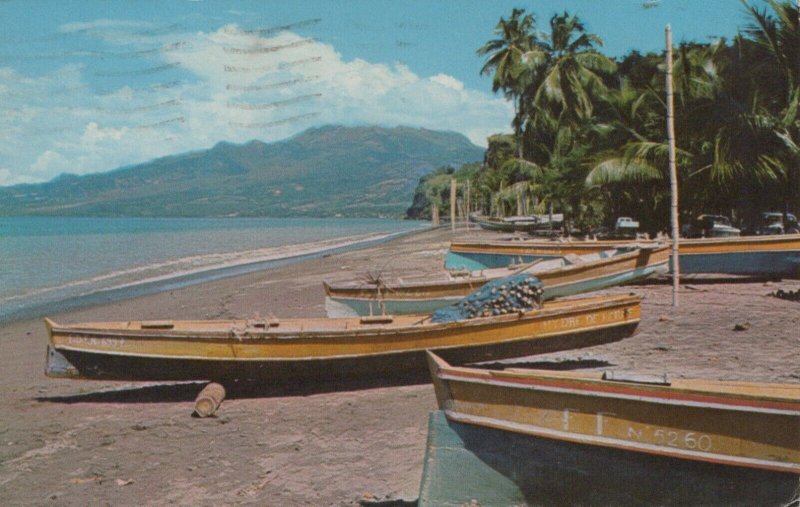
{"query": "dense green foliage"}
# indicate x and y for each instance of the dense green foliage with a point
(434, 189)
(365, 172)
(590, 133)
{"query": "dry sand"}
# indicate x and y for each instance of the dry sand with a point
(86, 443)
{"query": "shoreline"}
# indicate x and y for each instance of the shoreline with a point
(74, 443)
(208, 274)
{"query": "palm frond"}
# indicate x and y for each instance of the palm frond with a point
(620, 170)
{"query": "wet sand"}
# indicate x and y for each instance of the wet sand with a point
(80, 443)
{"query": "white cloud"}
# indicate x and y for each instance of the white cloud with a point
(101, 23)
(9, 178)
(448, 81)
(242, 87)
(50, 162)
(93, 133)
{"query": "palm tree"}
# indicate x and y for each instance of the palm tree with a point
(563, 79)
(504, 54)
(563, 73)
(715, 128)
(629, 160)
(778, 36)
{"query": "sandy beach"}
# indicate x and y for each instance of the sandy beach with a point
(93, 443)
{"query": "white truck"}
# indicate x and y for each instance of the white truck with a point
(626, 226)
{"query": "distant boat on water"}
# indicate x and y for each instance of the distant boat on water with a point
(561, 277)
(326, 349)
(608, 438)
(777, 255)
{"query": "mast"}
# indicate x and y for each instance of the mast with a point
(453, 204)
(673, 173)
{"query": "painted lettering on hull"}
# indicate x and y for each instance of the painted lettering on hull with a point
(94, 341)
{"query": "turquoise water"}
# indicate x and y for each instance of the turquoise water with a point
(46, 262)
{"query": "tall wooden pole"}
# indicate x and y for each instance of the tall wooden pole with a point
(673, 173)
(469, 204)
(452, 204)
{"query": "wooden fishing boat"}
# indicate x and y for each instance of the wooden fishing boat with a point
(746, 255)
(508, 224)
(531, 224)
(565, 276)
(604, 438)
(319, 348)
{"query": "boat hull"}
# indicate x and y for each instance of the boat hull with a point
(741, 425)
(748, 255)
(354, 306)
(507, 468)
(756, 263)
(478, 260)
(280, 353)
(399, 365)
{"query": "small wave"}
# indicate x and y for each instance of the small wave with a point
(184, 266)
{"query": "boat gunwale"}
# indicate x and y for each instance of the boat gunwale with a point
(588, 305)
(647, 393)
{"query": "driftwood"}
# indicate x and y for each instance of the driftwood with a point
(209, 399)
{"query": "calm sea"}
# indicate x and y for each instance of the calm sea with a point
(52, 263)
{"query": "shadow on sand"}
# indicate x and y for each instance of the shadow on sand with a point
(707, 279)
(570, 364)
(170, 392)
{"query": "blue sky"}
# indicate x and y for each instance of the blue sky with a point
(88, 86)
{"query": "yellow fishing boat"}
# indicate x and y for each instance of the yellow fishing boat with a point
(581, 437)
(735, 423)
(561, 277)
(326, 348)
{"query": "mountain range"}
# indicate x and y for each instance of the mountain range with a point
(324, 171)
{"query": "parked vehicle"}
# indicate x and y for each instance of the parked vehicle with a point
(711, 226)
(769, 222)
(626, 226)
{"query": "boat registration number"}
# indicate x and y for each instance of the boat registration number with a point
(93, 341)
(586, 320)
(605, 425)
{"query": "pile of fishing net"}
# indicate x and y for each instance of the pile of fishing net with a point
(517, 293)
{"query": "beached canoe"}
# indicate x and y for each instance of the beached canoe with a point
(587, 438)
(777, 255)
(320, 348)
(561, 277)
(509, 224)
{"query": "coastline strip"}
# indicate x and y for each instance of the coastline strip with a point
(186, 278)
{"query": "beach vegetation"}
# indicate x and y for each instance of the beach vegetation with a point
(588, 138)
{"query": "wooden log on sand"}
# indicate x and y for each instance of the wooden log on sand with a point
(209, 399)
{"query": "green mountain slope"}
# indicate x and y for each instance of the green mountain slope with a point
(349, 171)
